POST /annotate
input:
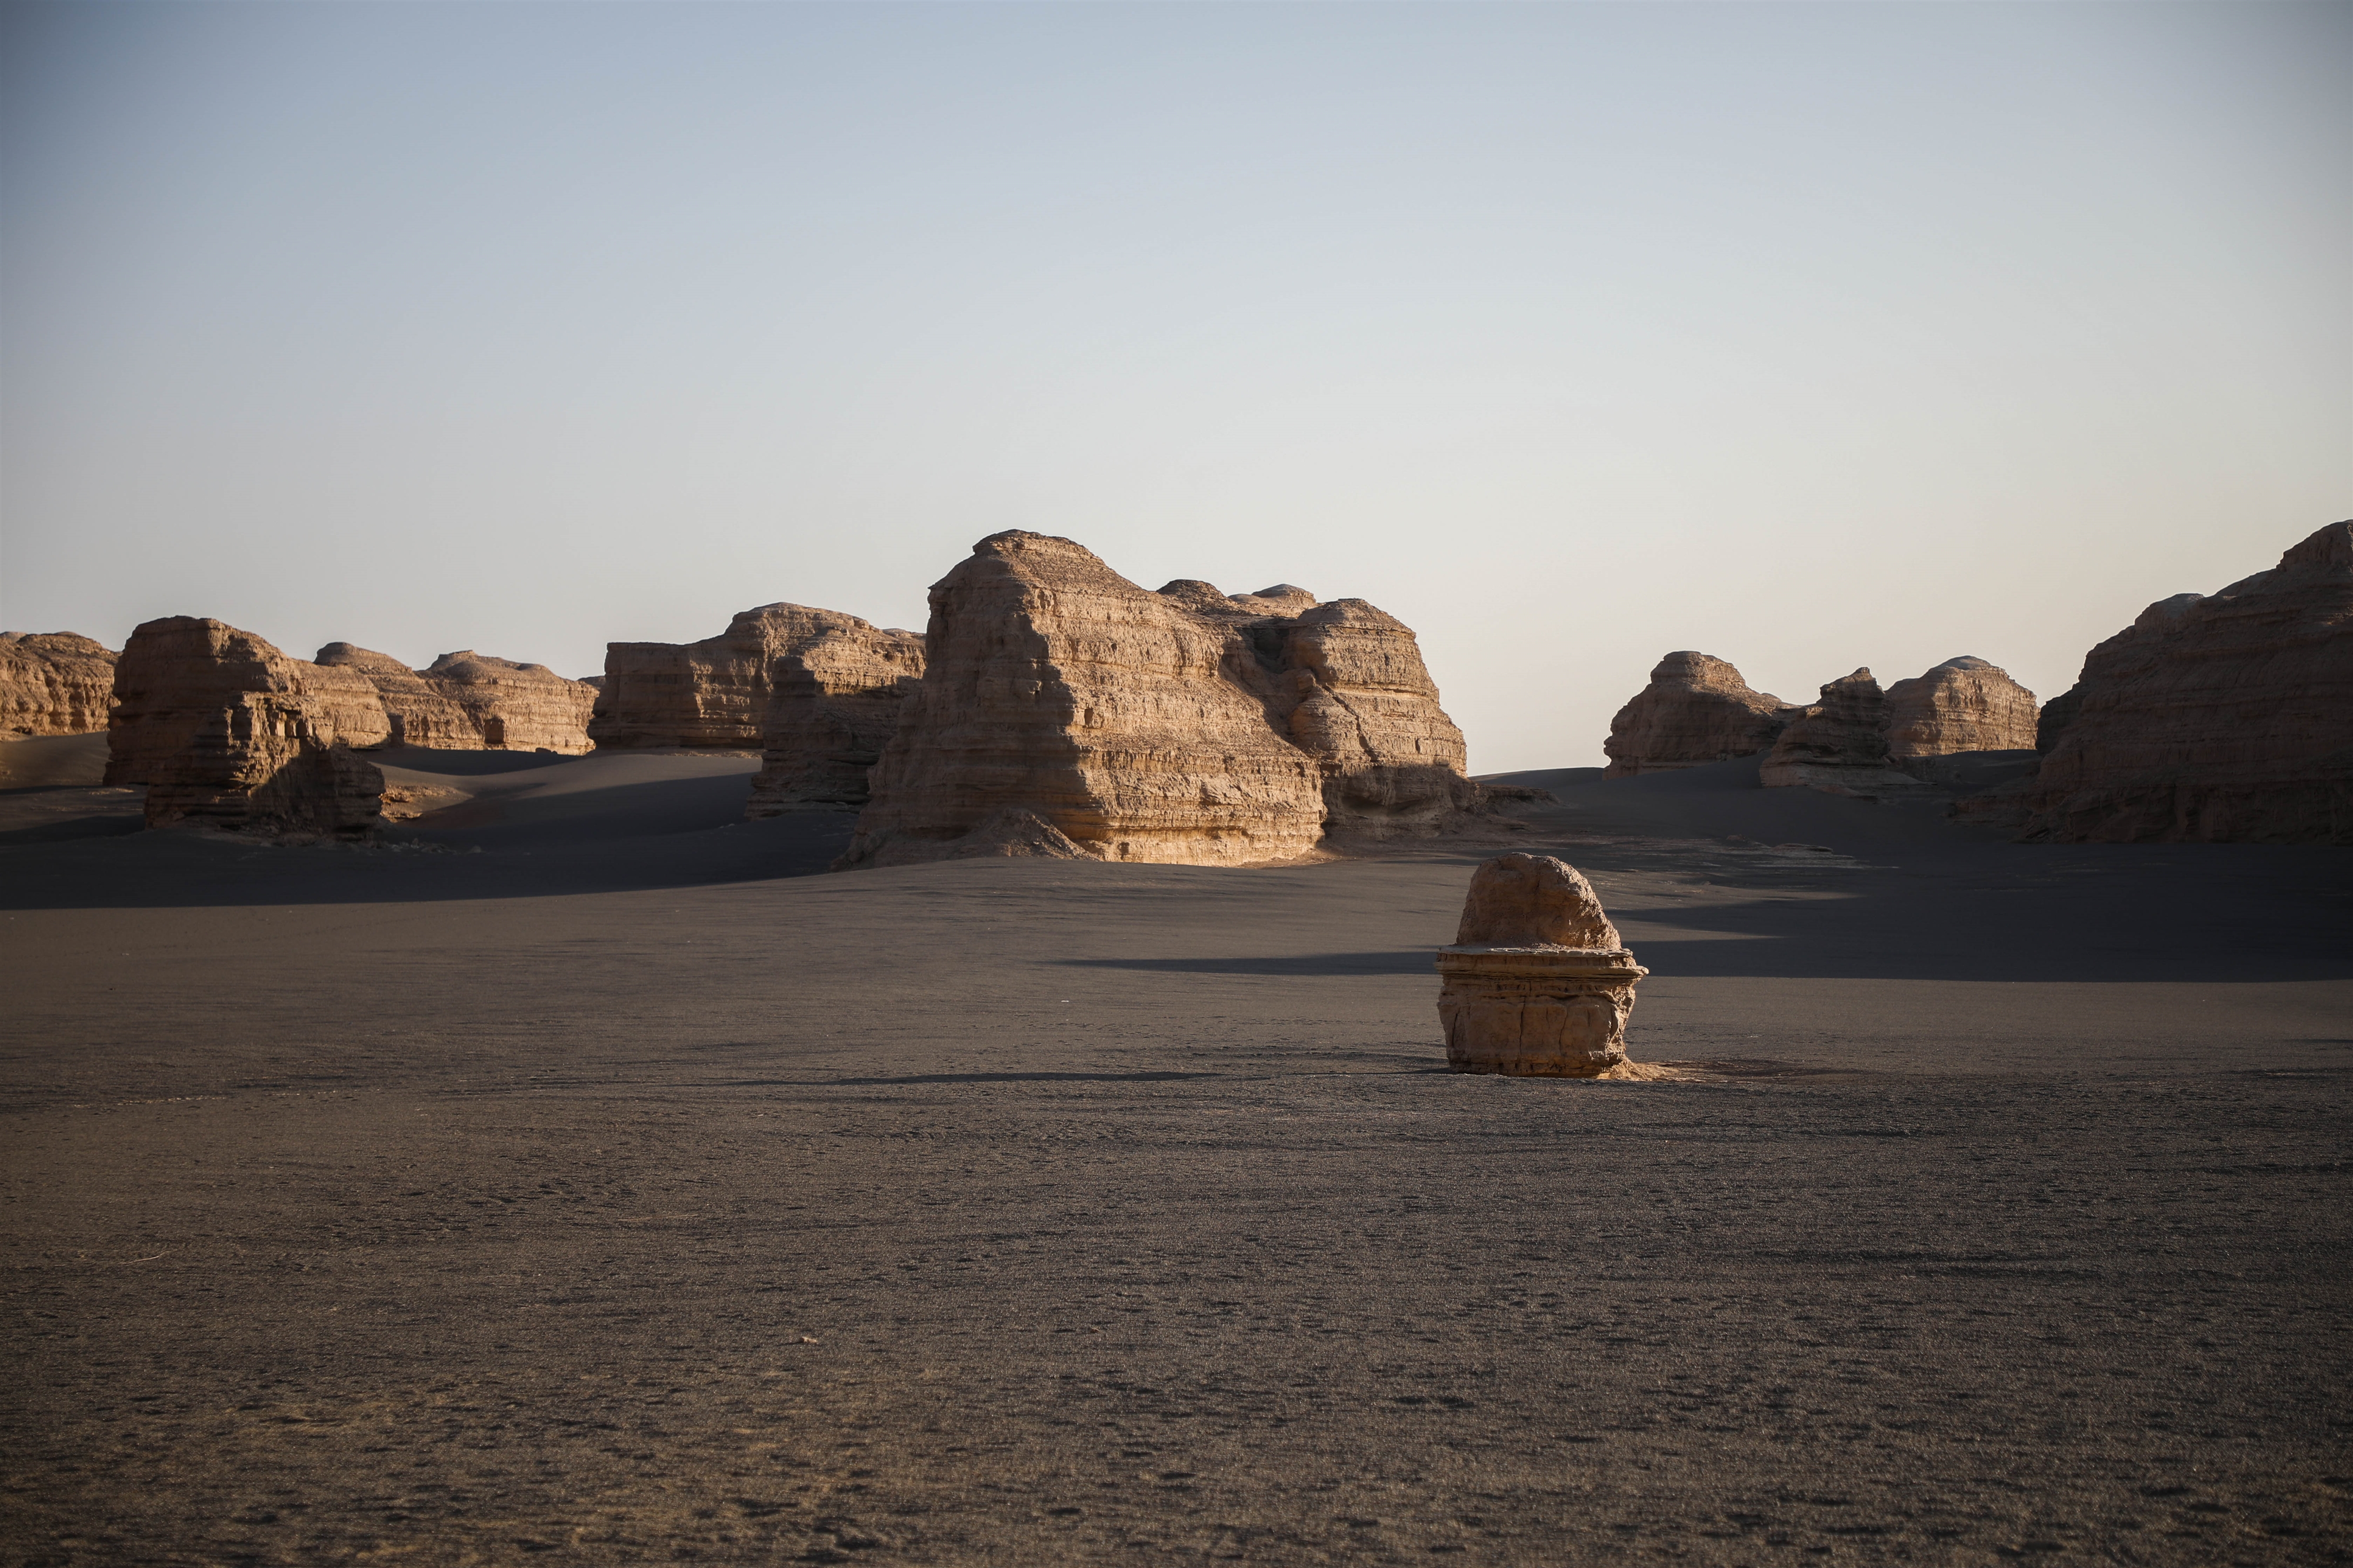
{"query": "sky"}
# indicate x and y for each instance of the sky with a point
(1808, 336)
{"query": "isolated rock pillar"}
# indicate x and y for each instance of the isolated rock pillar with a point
(1537, 983)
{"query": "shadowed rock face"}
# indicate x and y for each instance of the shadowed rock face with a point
(1065, 705)
(1962, 705)
(2226, 718)
(224, 729)
(834, 703)
(469, 702)
(712, 695)
(1537, 983)
(1838, 746)
(54, 683)
(1696, 711)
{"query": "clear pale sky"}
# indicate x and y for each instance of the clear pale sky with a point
(1807, 336)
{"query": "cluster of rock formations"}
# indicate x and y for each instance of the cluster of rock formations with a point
(717, 694)
(1537, 983)
(1066, 710)
(225, 730)
(54, 683)
(2224, 717)
(1854, 740)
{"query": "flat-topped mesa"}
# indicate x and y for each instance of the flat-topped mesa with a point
(1840, 746)
(54, 683)
(835, 701)
(712, 695)
(1065, 711)
(1962, 705)
(1538, 982)
(225, 730)
(2223, 718)
(1697, 709)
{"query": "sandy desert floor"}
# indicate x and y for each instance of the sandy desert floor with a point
(581, 1177)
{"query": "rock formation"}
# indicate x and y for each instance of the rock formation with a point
(1695, 710)
(1962, 705)
(2221, 718)
(1063, 705)
(1537, 983)
(54, 683)
(224, 729)
(467, 701)
(1840, 746)
(712, 695)
(835, 701)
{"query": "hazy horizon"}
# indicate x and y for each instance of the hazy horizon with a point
(1810, 337)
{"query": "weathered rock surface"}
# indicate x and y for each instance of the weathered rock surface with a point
(54, 683)
(1840, 746)
(1537, 983)
(224, 729)
(1182, 727)
(1135, 728)
(1962, 705)
(712, 695)
(2226, 718)
(1697, 709)
(467, 701)
(835, 700)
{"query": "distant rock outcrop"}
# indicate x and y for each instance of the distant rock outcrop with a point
(467, 701)
(835, 701)
(1962, 705)
(712, 695)
(1840, 746)
(1065, 709)
(1538, 982)
(223, 728)
(2226, 718)
(1697, 709)
(54, 683)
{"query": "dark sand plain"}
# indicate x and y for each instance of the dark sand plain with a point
(582, 1178)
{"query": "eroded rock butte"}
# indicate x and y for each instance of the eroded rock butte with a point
(716, 694)
(54, 683)
(471, 702)
(1697, 709)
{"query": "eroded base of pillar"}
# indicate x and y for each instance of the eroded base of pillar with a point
(1536, 1012)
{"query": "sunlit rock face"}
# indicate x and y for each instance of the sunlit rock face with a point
(1065, 709)
(1537, 982)
(225, 730)
(472, 702)
(1696, 709)
(2225, 717)
(1964, 704)
(54, 683)
(712, 695)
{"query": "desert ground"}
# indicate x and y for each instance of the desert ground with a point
(582, 1174)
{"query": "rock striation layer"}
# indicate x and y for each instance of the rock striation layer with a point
(516, 706)
(1840, 746)
(712, 695)
(1064, 710)
(1537, 983)
(54, 683)
(225, 730)
(1697, 709)
(2225, 717)
(835, 700)
(1962, 705)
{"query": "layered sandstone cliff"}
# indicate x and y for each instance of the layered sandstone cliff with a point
(1697, 709)
(835, 700)
(1067, 710)
(712, 695)
(1962, 705)
(469, 701)
(1838, 746)
(54, 683)
(2223, 718)
(224, 729)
